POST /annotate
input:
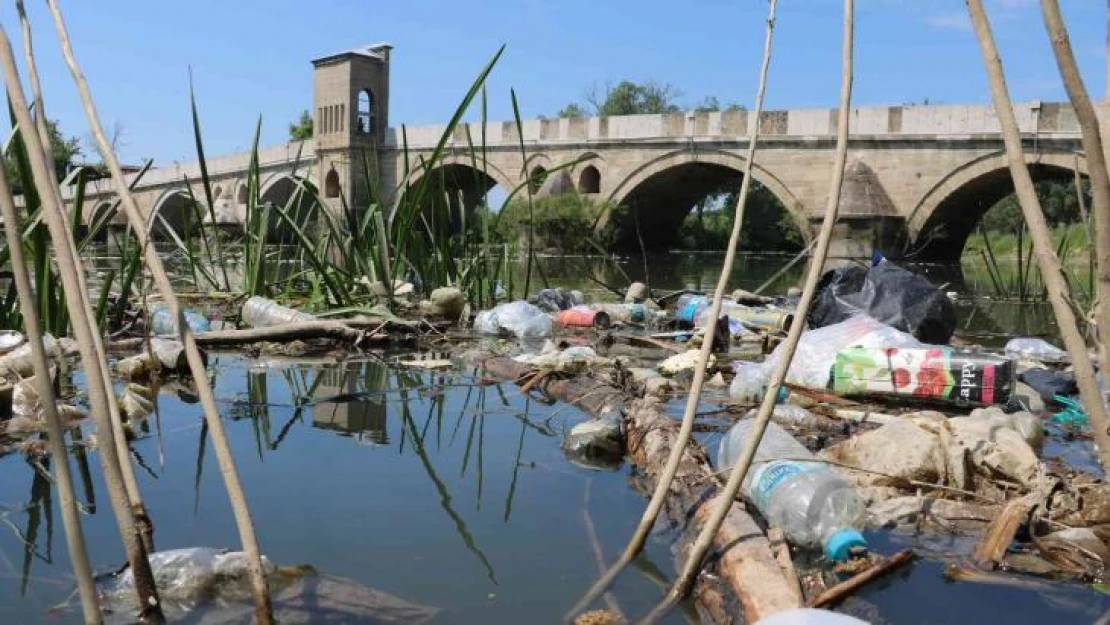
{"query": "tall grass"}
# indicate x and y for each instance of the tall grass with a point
(421, 229)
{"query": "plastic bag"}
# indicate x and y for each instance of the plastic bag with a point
(1049, 384)
(554, 300)
(887, 293)
(186, 578)
(816, 353)
(518, 318)
(1036, 349)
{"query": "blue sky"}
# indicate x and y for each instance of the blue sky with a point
(251, 58)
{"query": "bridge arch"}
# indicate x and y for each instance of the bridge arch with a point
(459, 183)
(174, 211)
(296, 197)
(671, 183)
(948, 213)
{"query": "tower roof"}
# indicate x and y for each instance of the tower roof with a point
(377, 51)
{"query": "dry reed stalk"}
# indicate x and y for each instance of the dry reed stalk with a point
(659, 497)
(1052, 271)
(71, 518)
(119, 439)
(87, 339)
(704, 541)
(1096, 164)
(263, 612)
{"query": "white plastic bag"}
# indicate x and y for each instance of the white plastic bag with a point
(816, 353)
(518, 318)
(1036, 349)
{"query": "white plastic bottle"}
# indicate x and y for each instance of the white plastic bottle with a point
(813, 505)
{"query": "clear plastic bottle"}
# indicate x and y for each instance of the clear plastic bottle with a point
(813, 505)
(162, 323)
(259, 312)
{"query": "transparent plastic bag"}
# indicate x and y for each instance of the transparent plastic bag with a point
(816, 353)
(185, 578)
(518, 318)
(1036, 349)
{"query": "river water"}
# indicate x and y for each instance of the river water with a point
(445, 491)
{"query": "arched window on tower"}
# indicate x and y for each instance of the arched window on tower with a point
(331, 184)
(364, 123)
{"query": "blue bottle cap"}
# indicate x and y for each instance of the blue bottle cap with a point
(783, 395)
(840, 544)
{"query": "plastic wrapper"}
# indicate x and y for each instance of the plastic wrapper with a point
(1036, 349)
(887, 293)
(518, 318)
(259, 312)
(817, 349)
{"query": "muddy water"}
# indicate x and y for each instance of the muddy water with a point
(445, 492)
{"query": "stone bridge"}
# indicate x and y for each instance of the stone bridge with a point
(919, 178)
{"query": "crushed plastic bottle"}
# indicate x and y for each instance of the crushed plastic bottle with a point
(813, 505)
(259, 312)
(162, 323)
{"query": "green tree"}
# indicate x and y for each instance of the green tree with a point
(572, 110)
(65, 151)
(301, 129)
(629, 98)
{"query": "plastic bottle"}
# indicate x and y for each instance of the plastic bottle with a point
(930, 372)
(813, 505)
(690, 306)
(770, 319)
(163, 323)
(259, 312)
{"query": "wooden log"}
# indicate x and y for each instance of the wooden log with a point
(1000, 533)
(589, 395)
(746, 562)
(745, 558)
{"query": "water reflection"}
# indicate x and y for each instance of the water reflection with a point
(357, 406)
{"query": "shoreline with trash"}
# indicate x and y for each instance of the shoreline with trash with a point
(882, 423)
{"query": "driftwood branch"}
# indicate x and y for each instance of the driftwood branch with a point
(843, 589)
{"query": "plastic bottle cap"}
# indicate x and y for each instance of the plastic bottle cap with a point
(783, 395)
(840, 544)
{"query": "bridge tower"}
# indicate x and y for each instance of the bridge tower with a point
(350, 118)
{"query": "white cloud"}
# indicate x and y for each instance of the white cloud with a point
(950, 21)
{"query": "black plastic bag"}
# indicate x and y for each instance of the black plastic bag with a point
(554, 300)
(888, 293)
